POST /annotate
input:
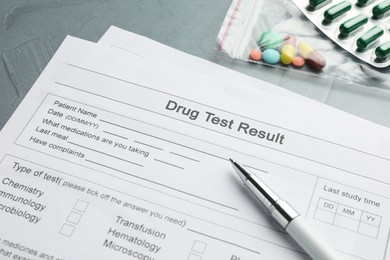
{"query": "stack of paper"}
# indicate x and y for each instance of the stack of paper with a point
(120, 151)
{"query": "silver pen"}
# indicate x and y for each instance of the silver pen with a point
(286, 216)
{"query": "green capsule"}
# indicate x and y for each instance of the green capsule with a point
(381, 9)
(314, 3)
(383, 51)
(353, 24)
(362, 2)
(337, 10)
(369, 37)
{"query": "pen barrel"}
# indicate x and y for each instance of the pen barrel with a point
(282, 212)
(315, 247)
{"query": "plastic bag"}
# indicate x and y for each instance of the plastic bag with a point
(247, 20)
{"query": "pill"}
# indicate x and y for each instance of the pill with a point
(369, 37)
(313, 4)
(353, 24)
(312, 57)
(362, 3)
(298, 62)
(288, 49)
(255, 54)
(383, 51)
(336, 11)
(271, 56)
(270, 40)
(381, 9)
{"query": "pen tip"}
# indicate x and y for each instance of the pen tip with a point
(239, 170)
(234, 163)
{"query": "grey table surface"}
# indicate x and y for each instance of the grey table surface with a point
(32, 30)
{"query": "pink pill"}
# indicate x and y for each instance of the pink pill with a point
(256, 54)
(298, 61)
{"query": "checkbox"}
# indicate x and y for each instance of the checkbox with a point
(368, 230)
(67, 230)
(199, 247)
(324, 216)
(80, 205)
(74, 217)
(192, 256)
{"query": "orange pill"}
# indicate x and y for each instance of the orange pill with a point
(298, 61)
(255, 54)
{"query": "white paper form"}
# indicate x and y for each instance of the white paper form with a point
(144, 47)
(107, 159)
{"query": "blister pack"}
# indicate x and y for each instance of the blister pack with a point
(292, 35)
(360, 27)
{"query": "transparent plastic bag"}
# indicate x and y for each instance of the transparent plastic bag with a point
(247, 20)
